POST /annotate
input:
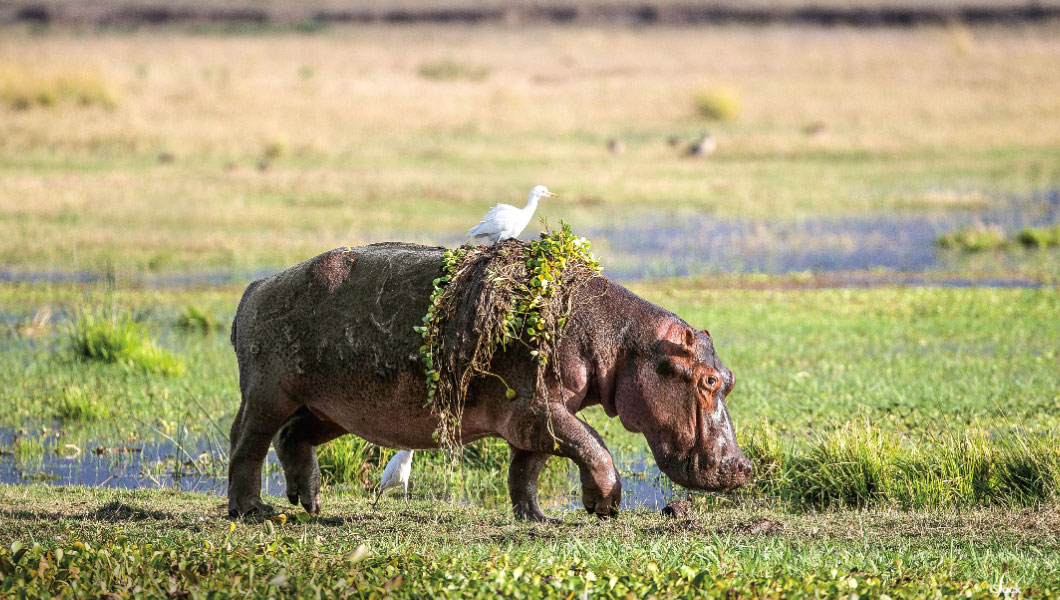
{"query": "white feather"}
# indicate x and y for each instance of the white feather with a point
(396, 474)
(505, 221)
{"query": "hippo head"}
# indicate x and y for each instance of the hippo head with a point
(673, 390)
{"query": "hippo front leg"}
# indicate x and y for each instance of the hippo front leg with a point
(601, 485)
(561, 433)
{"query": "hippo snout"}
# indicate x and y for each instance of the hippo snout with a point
(735, 471)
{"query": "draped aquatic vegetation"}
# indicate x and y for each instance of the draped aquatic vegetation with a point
(494, 298)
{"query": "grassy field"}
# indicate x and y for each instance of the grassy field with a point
(164, 151)
(156, 543)
(904, 439)
(904, 442)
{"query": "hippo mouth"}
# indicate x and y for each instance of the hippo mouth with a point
(698, 470)
(731, 473)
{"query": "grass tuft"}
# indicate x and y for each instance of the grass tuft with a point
(348, 460)
(195, 319)
(973, 239)
(23, 88)
(78, 404)
(857, 465)
(717, 104)
(120, 339)
(451, 70)
(1039, 237)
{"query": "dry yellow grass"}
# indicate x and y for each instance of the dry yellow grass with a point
(358, 145)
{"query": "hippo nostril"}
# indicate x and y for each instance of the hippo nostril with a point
(745, 466)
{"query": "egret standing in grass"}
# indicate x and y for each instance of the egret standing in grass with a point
(506, 221)
(396, 474)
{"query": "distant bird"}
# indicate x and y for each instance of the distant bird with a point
(396, 474)
(616, 146)
(704, 147)
(815, 129)
(506, 221)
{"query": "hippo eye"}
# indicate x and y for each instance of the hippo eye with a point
(709, 383)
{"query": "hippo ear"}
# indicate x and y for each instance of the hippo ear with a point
(705, 332)
(688, 339)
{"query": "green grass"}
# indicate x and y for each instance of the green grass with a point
(449, 69)
(869, 457)
(858, 465)
(198, 320)
(111, 338)
(974, 239)
(1039, 237)
(178, 543)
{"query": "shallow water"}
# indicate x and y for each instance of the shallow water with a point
(164, 464)
(654, 245)
(665, 246)
(158, 464)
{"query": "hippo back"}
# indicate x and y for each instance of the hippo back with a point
(350, 308)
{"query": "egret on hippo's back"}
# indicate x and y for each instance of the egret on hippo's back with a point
(505, 221)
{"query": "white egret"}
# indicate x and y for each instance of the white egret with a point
(506, 221)
(396, 474)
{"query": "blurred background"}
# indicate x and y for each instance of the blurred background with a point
(217, 141)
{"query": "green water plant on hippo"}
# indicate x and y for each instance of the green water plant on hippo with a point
(520, 305)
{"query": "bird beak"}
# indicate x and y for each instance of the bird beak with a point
(551, 195)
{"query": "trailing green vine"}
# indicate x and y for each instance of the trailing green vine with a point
(489, 298)
(429, 330)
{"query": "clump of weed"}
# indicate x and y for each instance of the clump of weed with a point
(845, 467)
(119, 339)
(197, 320)
(22, 88)
(973, 239)
(511, 292)
(78, 404)
(1027, 470)
(274, 149)
(1039, 237)
(856, 465)
(449, 70)
(717, 104)
(348, 460)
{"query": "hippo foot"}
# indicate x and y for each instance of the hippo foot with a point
(611, 514)
(252, 508)
(602, 505)
(533, 514)
(311, 503)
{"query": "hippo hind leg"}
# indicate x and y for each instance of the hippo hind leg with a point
(260, 415)
(294, 444)
(523, 473)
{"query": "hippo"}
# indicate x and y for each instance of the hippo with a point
(327, 348)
